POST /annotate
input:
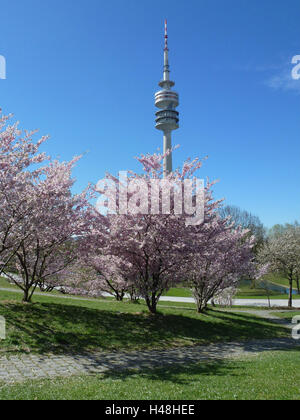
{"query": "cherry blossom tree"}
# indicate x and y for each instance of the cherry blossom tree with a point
(19, 157)
(282, 253)
(221, 256)
(39, 216)
(225, 297)
(56, 218)
(134, 247)
(153, 245)
(109, 274)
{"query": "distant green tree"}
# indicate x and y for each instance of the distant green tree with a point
(246, 220)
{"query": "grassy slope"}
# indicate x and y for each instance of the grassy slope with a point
(278, 279)
(5, 284)
(271, 376)
(179, 292)
(245, 290)
(287, 315)
(65, 325)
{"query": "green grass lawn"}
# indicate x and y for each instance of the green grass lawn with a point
(287, 315)
(245, 291)
(66, 325)
(179, 292)
(269, 376)
(279, 279)
(5, 283)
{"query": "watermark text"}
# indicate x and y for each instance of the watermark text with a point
(296, 328)
(296, 68)
(155, 196)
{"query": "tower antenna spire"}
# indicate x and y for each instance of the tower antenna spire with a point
(166, 36)
(167, 117)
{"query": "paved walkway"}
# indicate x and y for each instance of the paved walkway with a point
(23, 367)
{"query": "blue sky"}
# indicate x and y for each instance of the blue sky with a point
(85, 72)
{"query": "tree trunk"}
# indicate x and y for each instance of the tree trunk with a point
(200, 301)
(151, 304)
(152, 309)
(201, 305)
(201, 308)
(291, 293)
(298, 284)
(27, 296)
(119, 297)
(133, 295)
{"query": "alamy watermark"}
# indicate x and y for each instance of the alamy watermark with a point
(2, 67)
(155, 196)
(296, 69)
(2, 328)
(296, 328)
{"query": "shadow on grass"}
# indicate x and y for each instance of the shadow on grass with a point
(184, 373)
(58, 328)
(181, 375)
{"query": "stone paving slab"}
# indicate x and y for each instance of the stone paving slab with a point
(18, 369)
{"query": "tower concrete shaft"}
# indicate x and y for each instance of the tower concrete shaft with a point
(168, 164)
(167, 118)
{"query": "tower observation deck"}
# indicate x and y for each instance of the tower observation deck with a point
(167, 100)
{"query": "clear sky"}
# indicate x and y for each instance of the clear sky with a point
(85, 72)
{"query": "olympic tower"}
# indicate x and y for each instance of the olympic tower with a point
(167, 100)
